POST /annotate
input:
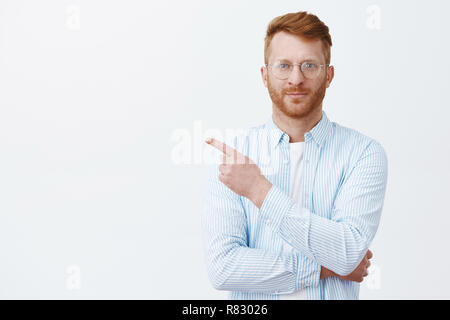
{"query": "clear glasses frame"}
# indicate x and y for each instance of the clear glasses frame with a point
(308, 74)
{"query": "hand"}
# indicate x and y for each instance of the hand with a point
(361, 270)
(357, 275)
(241, 174)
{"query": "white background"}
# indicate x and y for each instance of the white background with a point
(95, 95)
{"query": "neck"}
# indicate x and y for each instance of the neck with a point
(296, 128)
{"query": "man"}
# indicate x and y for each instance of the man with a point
(293, 208)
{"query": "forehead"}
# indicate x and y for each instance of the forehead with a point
(295, 48)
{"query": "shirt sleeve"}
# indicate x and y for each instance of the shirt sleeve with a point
(231, 264)
(341, 242)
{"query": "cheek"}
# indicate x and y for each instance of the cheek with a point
(275, 87)
(316, 86)
(322, 83)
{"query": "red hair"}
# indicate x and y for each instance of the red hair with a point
(301, 24)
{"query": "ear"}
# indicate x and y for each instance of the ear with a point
(330, 75)
(264, 75)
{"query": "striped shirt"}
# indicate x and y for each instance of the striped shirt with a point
(342, 192)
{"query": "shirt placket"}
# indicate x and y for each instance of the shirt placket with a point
(285, 175)
(310, 160)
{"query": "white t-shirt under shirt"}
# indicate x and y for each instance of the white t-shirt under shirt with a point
(296, 158)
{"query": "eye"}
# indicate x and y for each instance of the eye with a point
(283, 65)
(309, 65)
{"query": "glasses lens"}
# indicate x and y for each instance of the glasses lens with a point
(310, 70)
(281, 70)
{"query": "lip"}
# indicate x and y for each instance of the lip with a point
(297, 94)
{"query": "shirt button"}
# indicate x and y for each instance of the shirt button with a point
(268, 222)
(286, 161)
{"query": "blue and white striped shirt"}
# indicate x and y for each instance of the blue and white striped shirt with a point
(342, 193)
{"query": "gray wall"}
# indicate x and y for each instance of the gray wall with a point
(104, 106)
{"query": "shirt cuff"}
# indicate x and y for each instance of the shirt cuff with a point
(286, 218)
(308, 273)
(274, 208)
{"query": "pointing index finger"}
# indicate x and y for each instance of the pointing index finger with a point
(227, 150)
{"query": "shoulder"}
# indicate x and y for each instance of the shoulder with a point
(355, 139)
(356, 145)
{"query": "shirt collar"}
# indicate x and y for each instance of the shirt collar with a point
(319, 133)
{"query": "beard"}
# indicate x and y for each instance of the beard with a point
(297, 108)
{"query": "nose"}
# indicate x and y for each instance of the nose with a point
(296, 77)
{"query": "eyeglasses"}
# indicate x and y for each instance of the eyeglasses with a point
(283, 69)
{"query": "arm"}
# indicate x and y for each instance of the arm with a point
(357, 275)
(231, 264)
(341, 243)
